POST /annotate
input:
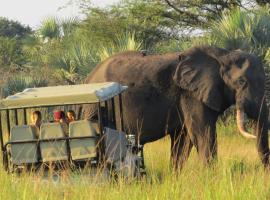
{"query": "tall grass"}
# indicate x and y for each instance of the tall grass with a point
(238, 174)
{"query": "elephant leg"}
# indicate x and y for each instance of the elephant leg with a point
(181, 146)
(200, 122)
(206, 144)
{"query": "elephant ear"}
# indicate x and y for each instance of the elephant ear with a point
(199, 74)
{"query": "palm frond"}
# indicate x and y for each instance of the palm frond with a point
(126, 42)
(50, 28)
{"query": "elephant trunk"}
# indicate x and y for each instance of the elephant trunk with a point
(241, 125)
(261, 130)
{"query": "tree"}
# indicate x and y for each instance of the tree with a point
(243, 30)
(262, 2)
(153, 21)
(10, 28)
(144, 18)
(10, 52)
(201, 13)
(11, 35)
(170, 13)
(125, 42)
(57, 47)
(50, 29)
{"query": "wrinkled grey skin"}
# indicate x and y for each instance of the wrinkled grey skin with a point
(182, 94)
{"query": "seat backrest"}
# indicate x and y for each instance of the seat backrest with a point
(96, 127)
(115, 145)
(23, 153)
(22, 133)
(84, 148)
(52, 150)
(81, 128)
(51, 130)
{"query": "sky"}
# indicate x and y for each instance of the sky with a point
(32, 12)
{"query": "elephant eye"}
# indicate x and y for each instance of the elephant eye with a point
(241, 82)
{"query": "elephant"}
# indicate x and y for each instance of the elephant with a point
(182, 95)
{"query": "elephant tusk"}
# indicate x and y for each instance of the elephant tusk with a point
(241, 126)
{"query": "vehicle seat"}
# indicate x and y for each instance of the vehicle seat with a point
(23, 153)
(115, 145)
(84, 148)
(95, 126)
(52, 150)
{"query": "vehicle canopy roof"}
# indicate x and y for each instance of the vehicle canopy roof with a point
(62, 95)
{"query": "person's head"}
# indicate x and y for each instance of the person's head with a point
(58, 115)
(71, 115)
(36, 116)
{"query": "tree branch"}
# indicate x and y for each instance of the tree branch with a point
(194, 17)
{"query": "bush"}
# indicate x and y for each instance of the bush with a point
(21, 82)
(10, 52)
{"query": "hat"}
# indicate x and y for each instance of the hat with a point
(57, 115)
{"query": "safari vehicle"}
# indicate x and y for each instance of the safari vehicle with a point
(89, 142)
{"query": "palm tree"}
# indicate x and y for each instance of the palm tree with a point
(55, 46)
(124, 42)
(245, 30)
(50, 29)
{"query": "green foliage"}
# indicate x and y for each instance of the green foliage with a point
(70, 48)
(198, 13)
(10, 52)
(243, 30)
(149, 20)
(56, 46)
(49, 29)
(125, 42)
(182, 44)
(13, 29)
(33, 50)
(54, 28)
(267, 57)
(262, 2)
(69, 26)
(11, 35)
(171, 16)
(73, 63)
(233, 30)
(20, 82)
(145, 18)
(261, 30)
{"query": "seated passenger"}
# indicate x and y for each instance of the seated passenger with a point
(36, 121)
(59, 116)
(71, 116)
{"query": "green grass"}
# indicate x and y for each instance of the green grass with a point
(238, 174)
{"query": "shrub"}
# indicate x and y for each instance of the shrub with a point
(20, 82)
(126, 42)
